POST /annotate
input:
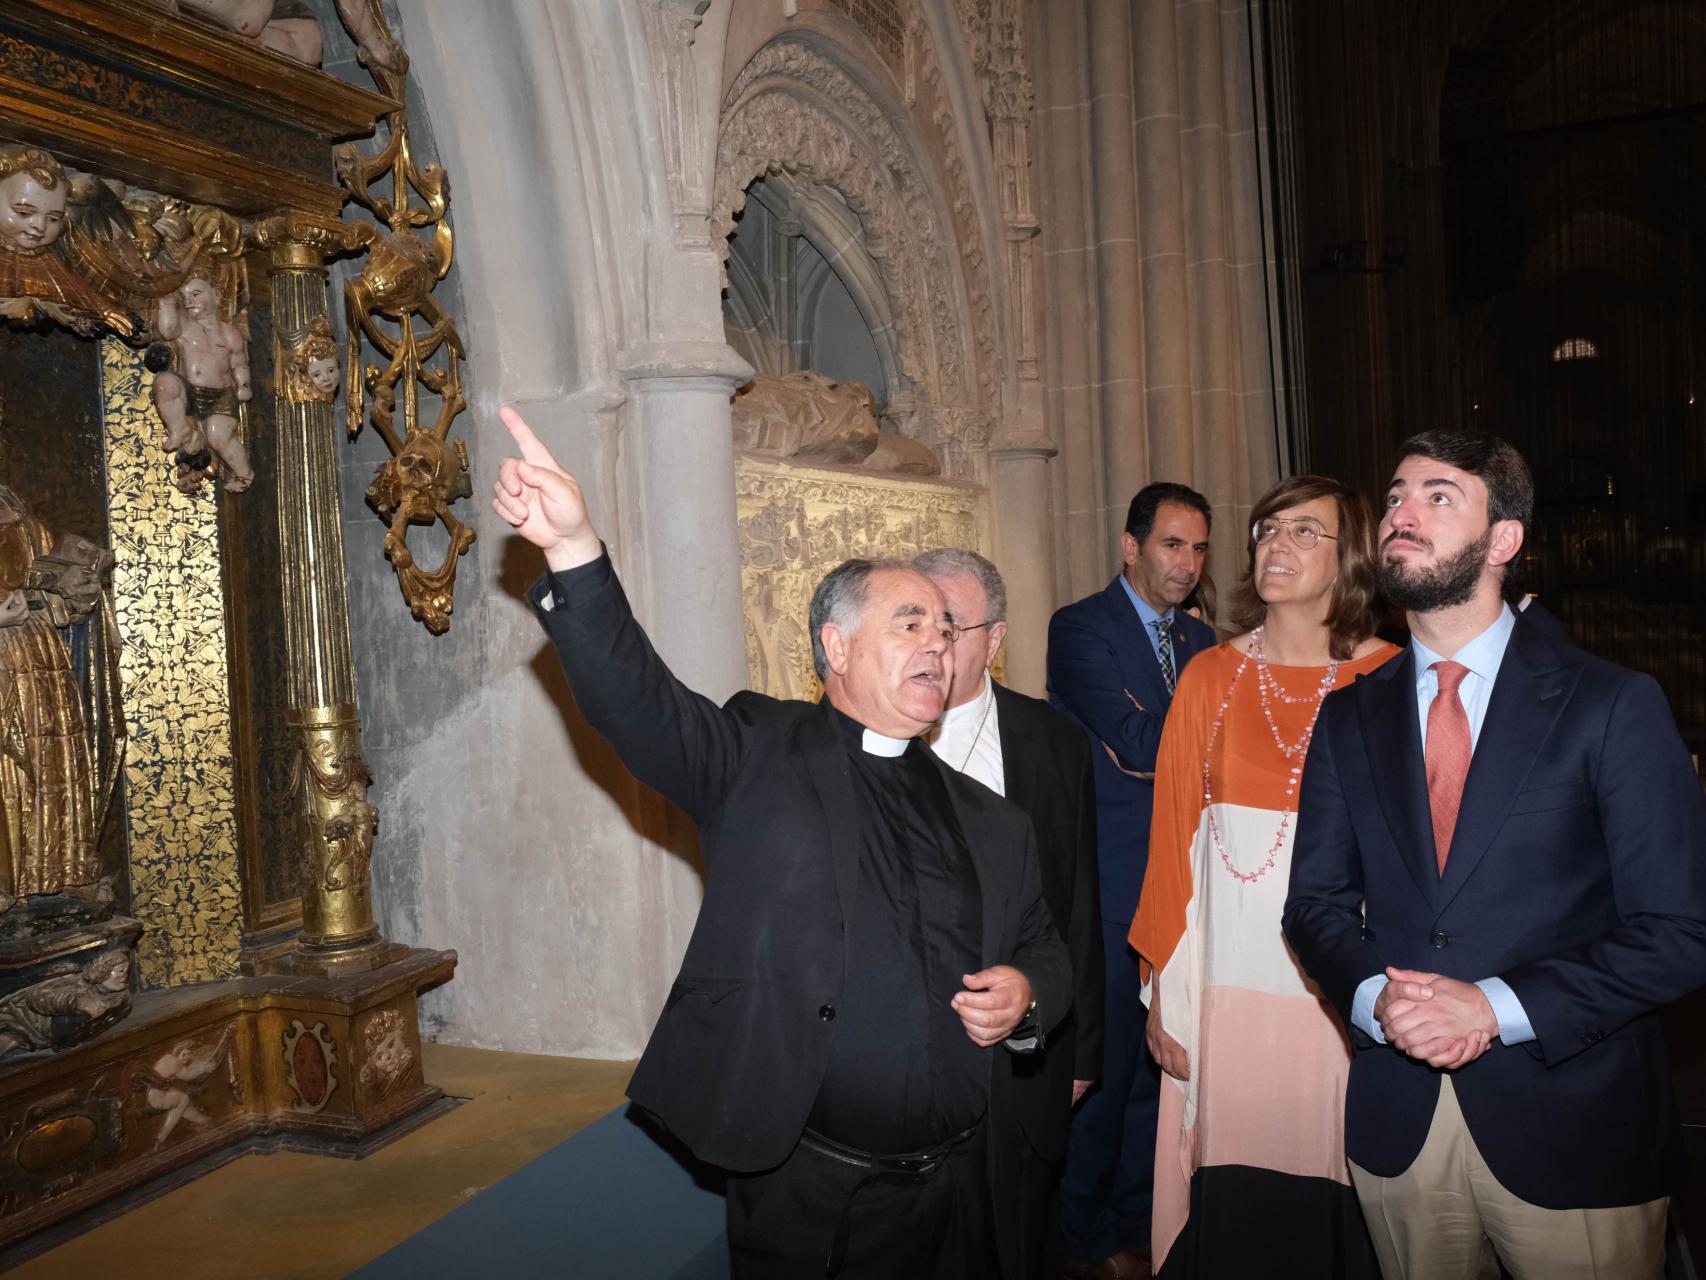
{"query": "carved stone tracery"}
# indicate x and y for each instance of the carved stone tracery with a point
(793, 110)
(967, 227)
(995, 38)
(671, 30)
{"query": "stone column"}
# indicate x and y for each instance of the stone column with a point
(1024, 497)
(1120, 369)
(331, 776)
(785, 246)
(681, 452)
(1022, 481)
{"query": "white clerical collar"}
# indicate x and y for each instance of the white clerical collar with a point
(877, 745)
(971, 712)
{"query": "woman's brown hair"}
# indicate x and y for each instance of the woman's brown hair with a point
(1350, 616)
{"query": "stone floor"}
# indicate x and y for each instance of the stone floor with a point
(299, 1217)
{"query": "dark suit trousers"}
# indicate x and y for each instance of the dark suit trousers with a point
(782, 1223)
(1109, 1181)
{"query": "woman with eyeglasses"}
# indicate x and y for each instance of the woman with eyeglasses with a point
(1250, 1173)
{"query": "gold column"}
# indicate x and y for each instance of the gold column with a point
(330, 773)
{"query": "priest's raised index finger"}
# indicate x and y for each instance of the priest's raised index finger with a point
(531, 449)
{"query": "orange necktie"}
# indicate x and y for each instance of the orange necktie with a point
(1447, 755)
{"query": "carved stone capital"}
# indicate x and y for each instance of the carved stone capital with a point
(671, 360)
(1023, 444)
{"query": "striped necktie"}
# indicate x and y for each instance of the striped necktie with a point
(1164, 650)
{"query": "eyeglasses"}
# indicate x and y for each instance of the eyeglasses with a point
(956, 632)
(1305, 533)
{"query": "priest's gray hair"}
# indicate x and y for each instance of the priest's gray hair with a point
(840, 598)
(954, 562)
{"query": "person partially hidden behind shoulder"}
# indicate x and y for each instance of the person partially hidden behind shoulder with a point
(873, 930)
(1499, 878)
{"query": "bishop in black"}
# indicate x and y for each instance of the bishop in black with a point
(860, 912)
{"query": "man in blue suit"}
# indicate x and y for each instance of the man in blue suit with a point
(1113, 659)
(1499, 878)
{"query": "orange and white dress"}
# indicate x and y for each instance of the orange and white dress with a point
(1250, 1172)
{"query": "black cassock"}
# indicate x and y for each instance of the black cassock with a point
(904, 1078)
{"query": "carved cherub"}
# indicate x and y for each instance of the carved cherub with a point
(209, 380)
(289, 27)
(35, 280)
(388, 1054)
(175, 1076)
(184, 437)
(310, 364)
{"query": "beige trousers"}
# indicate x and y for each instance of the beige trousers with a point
(1446, 1216)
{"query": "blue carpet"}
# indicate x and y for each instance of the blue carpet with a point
(618, 1201)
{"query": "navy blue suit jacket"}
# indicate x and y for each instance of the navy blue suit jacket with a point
(1577, 873)
(1097, 655)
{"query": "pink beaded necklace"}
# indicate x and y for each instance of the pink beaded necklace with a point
(1270, 690)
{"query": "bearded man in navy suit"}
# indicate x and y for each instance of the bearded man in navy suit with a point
(1499, 879)
(1113, 660)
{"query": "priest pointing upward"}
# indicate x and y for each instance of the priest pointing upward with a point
(872, 932)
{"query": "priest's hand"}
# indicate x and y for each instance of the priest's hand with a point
(1448, 1027)
(994, 1002)
(543, 502)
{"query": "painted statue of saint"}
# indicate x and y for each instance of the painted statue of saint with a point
(49, 801)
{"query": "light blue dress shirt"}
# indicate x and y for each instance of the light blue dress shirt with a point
(1149, 618)
(1482, 656)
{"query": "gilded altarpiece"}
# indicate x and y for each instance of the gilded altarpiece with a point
(223, 983)
(797, 523)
